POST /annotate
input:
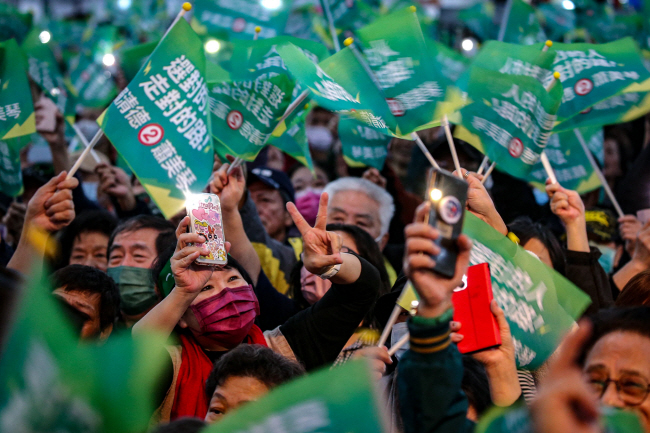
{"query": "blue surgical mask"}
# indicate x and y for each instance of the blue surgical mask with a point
(90, 190)
(606, 259)
(399, 330)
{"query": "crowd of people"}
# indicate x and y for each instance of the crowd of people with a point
(315, 261)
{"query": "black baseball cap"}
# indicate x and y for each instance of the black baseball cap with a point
(276, 179)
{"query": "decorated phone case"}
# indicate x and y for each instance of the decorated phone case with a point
(204, 211)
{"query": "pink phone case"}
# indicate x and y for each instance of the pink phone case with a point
(204, 211)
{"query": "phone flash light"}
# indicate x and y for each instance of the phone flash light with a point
(436, 194)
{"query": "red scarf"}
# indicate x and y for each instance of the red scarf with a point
(190, 399)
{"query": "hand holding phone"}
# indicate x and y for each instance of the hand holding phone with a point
(447, 195)
(204, 211)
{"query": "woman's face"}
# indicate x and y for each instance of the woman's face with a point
(612, 157)
(220, 279)
(303, 179)
(623, 356)
(537, 247)
(314, 287)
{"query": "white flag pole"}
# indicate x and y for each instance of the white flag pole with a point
(599, 173)
(488, 172)
(83, 140)
(397, 346)
(85, 153)
(504, 20)
(545, 162)
(452, 147)
(332, 28)
(484, 163)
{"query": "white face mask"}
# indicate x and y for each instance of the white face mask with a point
(90, 190)
(319, 137)
(399, 330)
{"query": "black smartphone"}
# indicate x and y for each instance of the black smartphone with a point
(447, 194)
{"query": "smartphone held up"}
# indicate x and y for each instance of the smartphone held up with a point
(204, 211)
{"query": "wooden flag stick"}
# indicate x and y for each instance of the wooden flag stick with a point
(85, 153)
(488, 172)
(424, 150)
(599, 173)
(484, 164)
(258, 29)
(236, 163)
(332, 28)
(402, 341)
(389, 325)
(291, 108)
(187, 6)
(82, 137)
(548, 44)
(545, 162)
(452, 147)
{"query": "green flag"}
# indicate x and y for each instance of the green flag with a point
(451, 63)
(480, 20)
(396, 52)
(523, 26)
(16, 106)
(569, 162)
(539, 303)
(593, 73)
(13, 24)
(347, 16)
(362, 145)
(45, 72)
(11, 177)
(293, 141)
(556, 20)
(92, 83)
(333, 82)
(160, 124)
(49, 381)
(340, 400)
(510, 119)
(132, 59)
(237, 19)
(516, 419)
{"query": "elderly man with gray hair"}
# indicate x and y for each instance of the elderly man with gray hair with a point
(361, 203)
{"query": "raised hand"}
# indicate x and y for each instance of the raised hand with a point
(229, 188)
(564, 402)
(321, 249)
(480, 203)
(189, 277)
(115, 182)
(642, 247)
(373, 175)
(565, 203)
(435, 290)
(378, 358)
(51, 207)
(629, 227)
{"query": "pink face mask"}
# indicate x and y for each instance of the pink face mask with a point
(227, 316)
(307, 204)
(312, 286)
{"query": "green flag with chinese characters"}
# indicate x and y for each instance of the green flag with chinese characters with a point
(539, 303)
(45, 72)
(11, 175)
(50, 381)
(362, 145)
(523, 26)
(510, 118)
(451, 63)
(132, 59)
(347, 16)
(160, 125)
(237, 19)
(344, 399)
(569, 162)
(16, 106)
(396, 52)
(293, 140)
(480, 20)
(592, 73)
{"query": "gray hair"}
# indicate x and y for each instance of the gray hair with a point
(376, 193)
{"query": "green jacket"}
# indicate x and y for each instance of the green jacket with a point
(429, 380)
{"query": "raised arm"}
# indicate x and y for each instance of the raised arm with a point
(480, 203)
(568, 206)
(640, 259)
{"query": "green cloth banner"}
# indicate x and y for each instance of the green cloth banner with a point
(510, 119)
(160, 125)
(569, 162)
(592, 73)
(539, 303)
(16, 106)
(362, 145)
(344, 399)
(49, 381)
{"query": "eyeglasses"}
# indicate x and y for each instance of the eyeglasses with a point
(631, 389)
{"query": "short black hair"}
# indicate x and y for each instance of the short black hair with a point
(526, 229)
(79, 278)
(628, 319)
(93, 221)
(476, 385)
(182, 425)
(166, 230)
(252, 360)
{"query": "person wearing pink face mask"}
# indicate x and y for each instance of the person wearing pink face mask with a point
(212, 310)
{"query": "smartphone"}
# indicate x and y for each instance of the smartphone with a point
(46, 115)
(447, 194)
(204, 211)
(472, 309)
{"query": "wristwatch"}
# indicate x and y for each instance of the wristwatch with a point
(330, 272)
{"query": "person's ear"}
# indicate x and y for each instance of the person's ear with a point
(183, 322)
(288, 221)
(103, 335)
(382, 242)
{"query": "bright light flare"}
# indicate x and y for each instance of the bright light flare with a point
(212, 46)
(467, 44)
(568, 5)
(123, 4)
(436, 194)
(108, 59)
(272, 4)
(45, 36)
